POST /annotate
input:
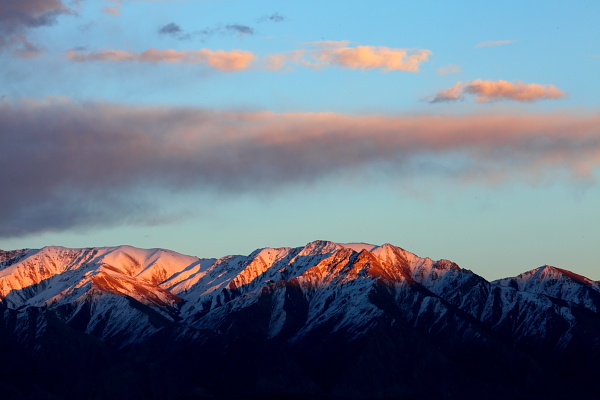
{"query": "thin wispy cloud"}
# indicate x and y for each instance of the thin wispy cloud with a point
(227, 61)
(491, 91)
(491, 43)
(449, 69)
(89, 163)
(275, 17)
(174, 30)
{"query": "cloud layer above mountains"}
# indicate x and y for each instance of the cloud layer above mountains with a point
(80, 165)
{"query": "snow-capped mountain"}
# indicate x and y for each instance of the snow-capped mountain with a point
(326, 320)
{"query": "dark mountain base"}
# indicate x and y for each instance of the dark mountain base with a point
(393, 361)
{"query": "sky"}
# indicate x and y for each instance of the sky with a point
(462, 130)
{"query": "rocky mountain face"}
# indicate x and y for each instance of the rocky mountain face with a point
(323, 321)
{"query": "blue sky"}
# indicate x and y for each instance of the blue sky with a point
(460, 130)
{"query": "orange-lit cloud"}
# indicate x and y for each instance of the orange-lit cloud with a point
(489, 91)
(94, 159)
(228, 61)
(449, 94)
(449, 69)
(368, 57)
(486, 91)
(321, 54)
(491, 43)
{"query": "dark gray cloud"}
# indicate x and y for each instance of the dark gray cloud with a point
(170, 29)
(275, 17)
(18, 16)
(69, 166)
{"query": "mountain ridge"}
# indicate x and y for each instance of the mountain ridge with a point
(351, 307)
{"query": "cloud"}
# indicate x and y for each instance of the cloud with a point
(367, 57)
(69, 166)
(490, 91)
(177, 32)
(450, 94)
(486, 91)
(17, 17)
(449, 69)
(228, 61)
(490, 43)
(371, 57)
(275, 17)
(240, 30)
(321, 54)
(170, 29)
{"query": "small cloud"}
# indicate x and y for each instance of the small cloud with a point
(275, 17)
(595, 56)
(491, 91)
(170, 29)
(177, 32)
(240, 30)
(487, 91)
(453, 93)
(491, 43)
(449, 69)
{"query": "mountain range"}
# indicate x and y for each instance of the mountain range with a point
(323, 321)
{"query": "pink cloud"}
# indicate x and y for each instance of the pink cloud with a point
(228, 61)
(490, 91)
(486, 91)
(449, 94)
(368, 57)
(102, 55)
